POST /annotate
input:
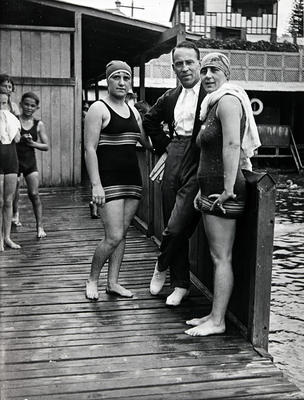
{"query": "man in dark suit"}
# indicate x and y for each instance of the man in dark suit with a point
(179, 109)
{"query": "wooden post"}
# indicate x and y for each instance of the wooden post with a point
(205, 18)
(142, 73)
(181, 35)
(261, 263)
(78, 98)
(301, 63)
(190, 15)
(96, 89)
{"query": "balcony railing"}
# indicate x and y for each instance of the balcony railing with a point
(259, 25)
(252, 68)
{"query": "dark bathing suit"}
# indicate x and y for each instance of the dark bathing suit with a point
(26, 154)
(117, 160)
(8, 158)
(211, 169)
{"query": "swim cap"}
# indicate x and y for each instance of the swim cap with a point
(117, 66)
(217, 60)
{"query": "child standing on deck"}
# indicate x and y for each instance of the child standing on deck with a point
(9, 135)
(33, 136)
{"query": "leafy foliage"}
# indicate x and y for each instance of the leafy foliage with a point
(296, 19)
(239, 44)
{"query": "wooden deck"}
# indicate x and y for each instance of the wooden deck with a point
(57, 345)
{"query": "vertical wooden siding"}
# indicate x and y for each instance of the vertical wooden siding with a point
(40, 61)
(35, 54)
(56, 111)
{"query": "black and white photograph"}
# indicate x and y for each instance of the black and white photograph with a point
(151, 199)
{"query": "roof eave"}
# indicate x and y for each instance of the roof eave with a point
(107, 15)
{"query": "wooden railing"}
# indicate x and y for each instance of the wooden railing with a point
(255, 25)
(252, 258)
(278, 142)
(254, 70)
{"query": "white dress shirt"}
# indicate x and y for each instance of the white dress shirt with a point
(184, 111)
(9, 126)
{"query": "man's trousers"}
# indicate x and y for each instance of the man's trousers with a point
(179, 188)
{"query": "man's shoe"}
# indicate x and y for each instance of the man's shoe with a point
(157, 281)
(177, 296)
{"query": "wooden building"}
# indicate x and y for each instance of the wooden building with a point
(53, 48)
(222, 19)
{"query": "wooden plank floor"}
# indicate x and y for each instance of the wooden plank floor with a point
(57, 345)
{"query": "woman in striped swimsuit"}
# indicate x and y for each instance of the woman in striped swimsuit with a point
(112, 129)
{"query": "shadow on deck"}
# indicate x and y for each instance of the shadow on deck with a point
(57, 345)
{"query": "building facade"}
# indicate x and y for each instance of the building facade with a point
(251, 20)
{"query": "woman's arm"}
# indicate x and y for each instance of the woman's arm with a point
(229, 112)
(92, 126)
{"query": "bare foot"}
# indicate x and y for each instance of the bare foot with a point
(41, 233)
(197, 321)
(1, 245)
(92, 290)
(118, 290)
(206, 328)
(11, 244)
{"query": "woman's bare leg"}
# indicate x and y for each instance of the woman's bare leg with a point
(113, 221)
(115, 260)
(16, 217)
(10, 182)
(32, 181)
(220, 233)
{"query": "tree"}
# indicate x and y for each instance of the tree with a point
(297, 19)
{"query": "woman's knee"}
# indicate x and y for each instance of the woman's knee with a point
(221, 257)
(34, 196)
(8, 200)
(113, 239)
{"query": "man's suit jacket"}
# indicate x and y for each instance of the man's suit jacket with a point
(163, 112)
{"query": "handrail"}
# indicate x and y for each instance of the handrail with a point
(251, 68)
(295, 151)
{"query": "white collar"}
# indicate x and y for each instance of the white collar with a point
(195, 88)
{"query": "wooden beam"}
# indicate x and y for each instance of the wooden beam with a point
(28, 80)
(170, 34)
(58, 29)
(101, 14)
(175, 35)
(78, 98)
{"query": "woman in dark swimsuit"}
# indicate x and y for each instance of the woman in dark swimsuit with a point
(222, 194)
(112, 130)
